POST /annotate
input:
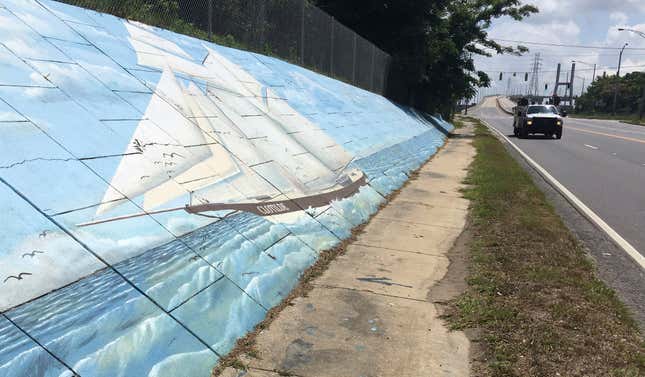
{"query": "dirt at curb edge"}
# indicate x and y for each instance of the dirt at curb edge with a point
(246, 345)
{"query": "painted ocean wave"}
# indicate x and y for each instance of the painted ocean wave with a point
(217, 283)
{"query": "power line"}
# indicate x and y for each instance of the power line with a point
(565, 45)
(578, 70)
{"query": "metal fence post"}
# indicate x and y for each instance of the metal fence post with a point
(386, 74)
(354, 62)
(210, 20)
(261, 25)
(372, 70)
(302, 34)
(331, 59)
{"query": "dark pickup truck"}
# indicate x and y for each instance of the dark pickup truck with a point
(538, 119)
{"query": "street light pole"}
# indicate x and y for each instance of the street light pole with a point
(633, 31)
(620, 58)
(641, 107)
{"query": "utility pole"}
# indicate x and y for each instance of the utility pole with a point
(620, 58)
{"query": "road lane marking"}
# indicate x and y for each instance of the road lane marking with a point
(608, 135)
(639, 131)
(577, 203)
(591, 146)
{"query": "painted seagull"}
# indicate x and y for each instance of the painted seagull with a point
(43, 234)
(136, 144)
(19, 277)
(172, 155)
(33, 253)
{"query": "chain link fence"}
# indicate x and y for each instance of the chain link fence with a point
(293, 30)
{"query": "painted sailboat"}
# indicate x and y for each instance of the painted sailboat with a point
(215, 136)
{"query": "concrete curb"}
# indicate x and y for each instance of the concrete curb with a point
(499, 105)
(573, 200)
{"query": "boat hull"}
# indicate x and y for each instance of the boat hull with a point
(279, 207)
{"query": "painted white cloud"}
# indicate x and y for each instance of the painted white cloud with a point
(57, 260)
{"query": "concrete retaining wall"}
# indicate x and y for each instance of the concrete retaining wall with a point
(161, 193)
(506, 105)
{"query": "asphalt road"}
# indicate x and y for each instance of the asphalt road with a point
(601, 162)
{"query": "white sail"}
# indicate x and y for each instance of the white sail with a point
(160, 157)
(308, 135)
(237, 129)
(218, 167)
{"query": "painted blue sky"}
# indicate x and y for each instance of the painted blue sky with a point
(579, 22)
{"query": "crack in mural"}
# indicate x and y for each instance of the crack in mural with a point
(206, 197)
(34, 160)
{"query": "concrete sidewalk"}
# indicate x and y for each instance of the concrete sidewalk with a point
(372, 313)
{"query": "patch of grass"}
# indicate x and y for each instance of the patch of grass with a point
(246, 345)
(238, 364)
(458, 123)
(533, 293)
(625, 118)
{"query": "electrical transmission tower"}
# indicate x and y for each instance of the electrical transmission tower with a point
(535, 79)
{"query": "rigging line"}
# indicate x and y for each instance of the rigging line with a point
(151, 217)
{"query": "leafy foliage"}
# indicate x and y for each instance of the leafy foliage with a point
(432, 43)
(599, 96)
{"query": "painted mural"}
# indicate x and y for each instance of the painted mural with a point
(160, 193)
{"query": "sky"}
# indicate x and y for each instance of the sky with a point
(571, 22)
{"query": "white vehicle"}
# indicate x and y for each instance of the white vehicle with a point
(538, 119)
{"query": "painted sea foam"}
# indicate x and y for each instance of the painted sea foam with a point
(216, 284)
(163, 308)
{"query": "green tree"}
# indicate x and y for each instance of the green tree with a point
(432, 43)
(599, 96)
